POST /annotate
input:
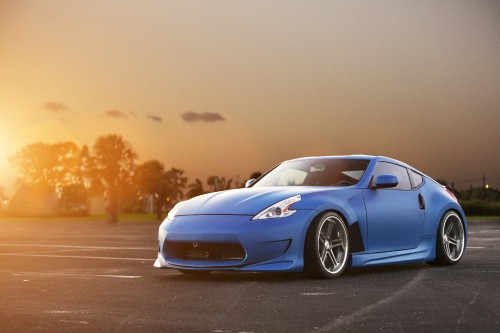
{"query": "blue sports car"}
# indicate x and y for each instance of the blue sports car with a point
(318, 215)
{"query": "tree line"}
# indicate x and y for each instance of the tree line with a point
(66, 176)
(109, 168)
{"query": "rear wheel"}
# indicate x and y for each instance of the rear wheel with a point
(327, 246)
(450, 240)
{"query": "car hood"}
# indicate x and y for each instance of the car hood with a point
(247, 201)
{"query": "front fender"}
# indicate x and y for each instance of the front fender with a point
(350, 204)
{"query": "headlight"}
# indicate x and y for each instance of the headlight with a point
(174, 210)
(278, 210)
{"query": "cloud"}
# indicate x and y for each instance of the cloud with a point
(154, 118)
(115, 114)
(210, 117)
(55, 107)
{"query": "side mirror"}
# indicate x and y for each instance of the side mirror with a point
(249, 182)
(385, 181)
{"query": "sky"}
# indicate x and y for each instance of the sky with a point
(231, 87)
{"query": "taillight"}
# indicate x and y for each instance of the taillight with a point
(450, 192)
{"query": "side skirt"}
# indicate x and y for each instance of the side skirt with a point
(425, 251)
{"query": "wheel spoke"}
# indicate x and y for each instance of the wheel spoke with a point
(332, 258)
(322, 238)
(453, 241)
(447, 248)
(337, 243)
(329, 230)
(449, 228)
(323, 255)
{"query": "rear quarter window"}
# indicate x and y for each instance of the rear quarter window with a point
(416, 178)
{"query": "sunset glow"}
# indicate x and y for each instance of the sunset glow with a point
(228, 88)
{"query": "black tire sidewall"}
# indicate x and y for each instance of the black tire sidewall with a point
(312, 264)
(442, 257)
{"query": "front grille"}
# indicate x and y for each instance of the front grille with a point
(204, 251)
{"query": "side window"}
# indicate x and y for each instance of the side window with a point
(385, 168)
(416, 178)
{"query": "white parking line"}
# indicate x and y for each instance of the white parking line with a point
(74, 257)
(80, 247)
(122, 276)
(487, 231)
(75, 275)
(74, 321)
(68, 311)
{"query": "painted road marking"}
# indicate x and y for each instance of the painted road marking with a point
(74, 321)
(81, 247)
(122, 276)
(80, 275)
(488, 231)
(74, 257)
(68, 311)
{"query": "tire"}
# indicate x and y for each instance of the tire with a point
(193, 272)
(326, 249)
(450, 240)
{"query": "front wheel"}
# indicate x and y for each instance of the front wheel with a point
(327, 246)
(450, 242)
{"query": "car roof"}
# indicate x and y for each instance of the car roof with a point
(353, 157)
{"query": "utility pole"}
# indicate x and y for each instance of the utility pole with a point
(484, 181)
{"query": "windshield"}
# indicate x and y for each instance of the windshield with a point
(315, 172)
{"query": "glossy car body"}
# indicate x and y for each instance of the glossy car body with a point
(393, 214)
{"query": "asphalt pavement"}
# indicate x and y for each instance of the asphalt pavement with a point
(69, 276)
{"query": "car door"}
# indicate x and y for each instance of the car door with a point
(395, 216)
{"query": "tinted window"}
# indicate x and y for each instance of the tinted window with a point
(384, 168)
(416, 178)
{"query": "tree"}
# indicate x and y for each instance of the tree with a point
(219, 183)
(74, 199)
(255, 175)
(150, 179)
(3, 199)
(195, 189)
(55, 165)
(175, 183)
(114, 166)
(86, 170)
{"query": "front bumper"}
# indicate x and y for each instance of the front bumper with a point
(234, 242)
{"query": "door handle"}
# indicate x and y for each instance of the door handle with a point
(421, 201)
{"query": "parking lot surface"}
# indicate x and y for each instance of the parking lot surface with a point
(68, 276)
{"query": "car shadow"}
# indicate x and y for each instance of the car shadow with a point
(279, 277)
(238, 277)
(386, 269)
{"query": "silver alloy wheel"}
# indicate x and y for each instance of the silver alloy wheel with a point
(333, 245)
(453, 236)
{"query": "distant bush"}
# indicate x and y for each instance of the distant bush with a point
(480, 207)
(479, 194)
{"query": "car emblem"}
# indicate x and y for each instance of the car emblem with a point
(195, 244)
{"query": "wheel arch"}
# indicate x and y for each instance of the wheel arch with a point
(450, 208)
(460, 214)
(353, 230)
